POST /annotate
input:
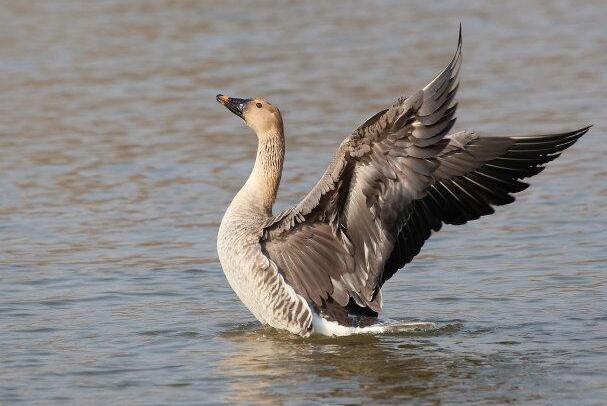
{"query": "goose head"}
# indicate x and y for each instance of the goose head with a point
(258, 113)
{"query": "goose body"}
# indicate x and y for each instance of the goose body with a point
(319, 266)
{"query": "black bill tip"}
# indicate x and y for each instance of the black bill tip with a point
(235, 105)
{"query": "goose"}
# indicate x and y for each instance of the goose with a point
(319, 266)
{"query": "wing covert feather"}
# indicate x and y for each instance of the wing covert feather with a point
(389, 185)
(356, 207)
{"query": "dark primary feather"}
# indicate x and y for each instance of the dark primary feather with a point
(474, 174)
(390, 184)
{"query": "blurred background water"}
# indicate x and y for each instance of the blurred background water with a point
(116, 164)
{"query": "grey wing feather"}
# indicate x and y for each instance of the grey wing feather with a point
(355, 209)
(392, 183)
(474, 174)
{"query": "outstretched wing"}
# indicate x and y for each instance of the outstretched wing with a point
(335, 242)
(474, 175)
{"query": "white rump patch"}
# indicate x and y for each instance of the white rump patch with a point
(333, 329)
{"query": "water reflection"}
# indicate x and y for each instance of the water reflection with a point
(271, 367)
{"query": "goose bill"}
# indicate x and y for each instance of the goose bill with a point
(233, 104)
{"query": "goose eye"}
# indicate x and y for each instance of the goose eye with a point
(258, 105)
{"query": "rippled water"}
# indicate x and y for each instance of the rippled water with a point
(116, 164)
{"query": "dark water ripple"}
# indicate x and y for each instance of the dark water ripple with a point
(116, 165)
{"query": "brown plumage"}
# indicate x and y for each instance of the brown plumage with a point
(394, 181)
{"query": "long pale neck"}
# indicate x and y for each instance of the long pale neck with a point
(262, 186)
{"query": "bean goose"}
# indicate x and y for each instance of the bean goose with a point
(319, 266)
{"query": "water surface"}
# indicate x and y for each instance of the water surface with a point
(116, 164)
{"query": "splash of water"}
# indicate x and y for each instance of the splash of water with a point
(325, 327)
